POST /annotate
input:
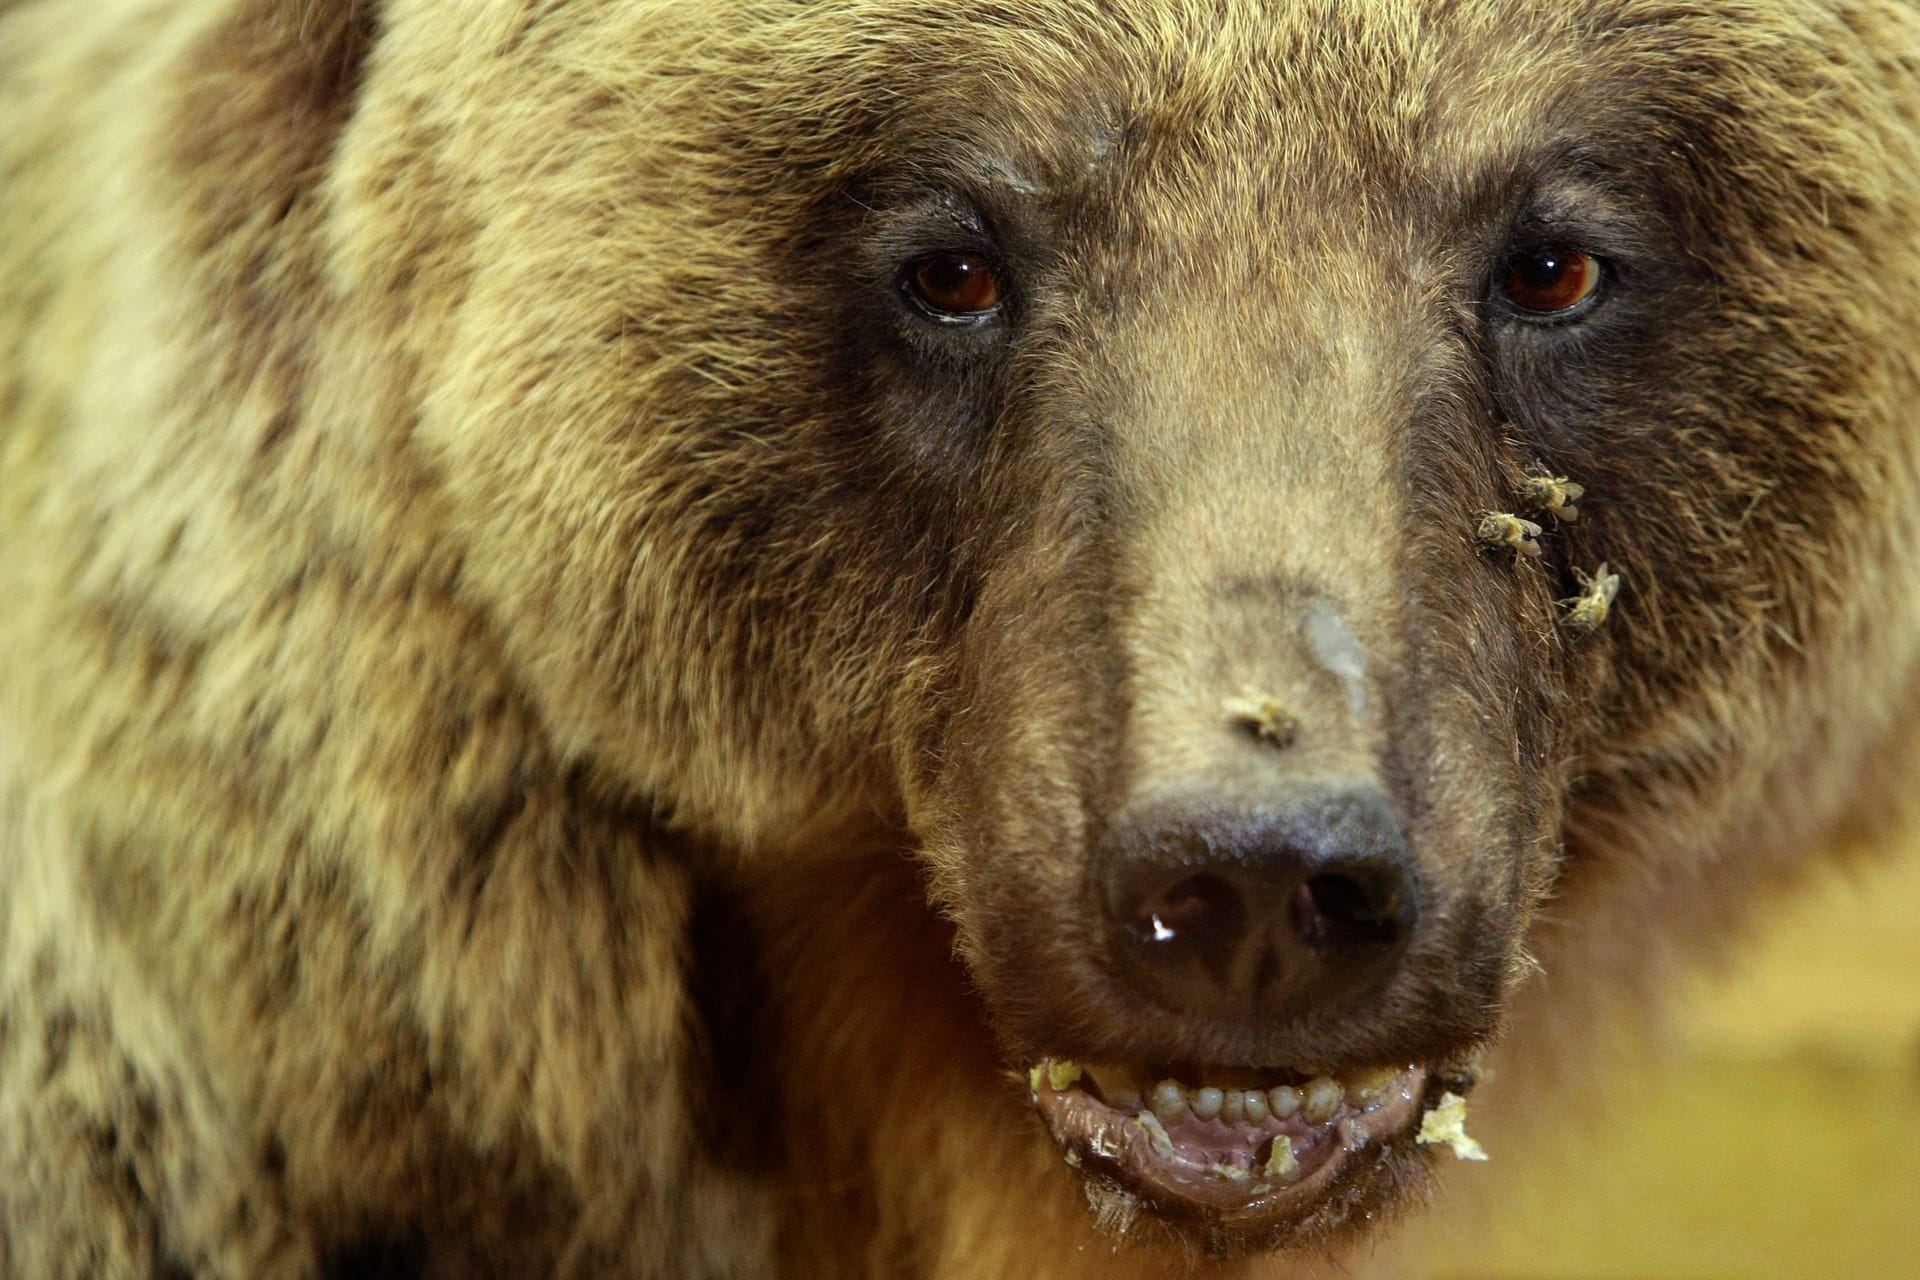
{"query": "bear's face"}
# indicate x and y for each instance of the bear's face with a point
(1102, 440)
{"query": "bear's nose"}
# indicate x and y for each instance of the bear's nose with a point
(1277, 909)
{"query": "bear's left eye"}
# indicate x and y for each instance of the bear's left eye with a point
(1551, 281)
(953, 286)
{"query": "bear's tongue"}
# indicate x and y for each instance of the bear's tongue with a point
(1237, 1135)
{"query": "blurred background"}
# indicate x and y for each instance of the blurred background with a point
(1777, 1139)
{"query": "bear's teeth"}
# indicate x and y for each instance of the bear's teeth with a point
(1322, 1099)
(1125, 1090)
(1371, 1085)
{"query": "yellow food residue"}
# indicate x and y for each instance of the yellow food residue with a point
(1447, 1123)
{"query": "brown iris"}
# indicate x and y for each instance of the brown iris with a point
(1552, 279)
(955, 284)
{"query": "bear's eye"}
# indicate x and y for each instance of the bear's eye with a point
(951, 285)
(1552, 280)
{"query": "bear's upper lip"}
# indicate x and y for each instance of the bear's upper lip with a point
(1195, 1151)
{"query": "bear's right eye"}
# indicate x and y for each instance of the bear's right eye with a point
(953, 287)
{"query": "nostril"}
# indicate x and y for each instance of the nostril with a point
(1196, 908)
(1344, 900)
(1337, 910)
(1301, 903)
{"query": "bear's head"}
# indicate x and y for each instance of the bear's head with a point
(1258, 495)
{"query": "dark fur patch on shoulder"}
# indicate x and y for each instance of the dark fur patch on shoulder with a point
(377, 1258)
(261, 103)
(727, 990)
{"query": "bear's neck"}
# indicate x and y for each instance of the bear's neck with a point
(901, 1139)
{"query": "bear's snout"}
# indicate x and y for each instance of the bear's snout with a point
(1301, 904)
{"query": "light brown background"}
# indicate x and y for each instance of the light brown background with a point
(1778, 1136)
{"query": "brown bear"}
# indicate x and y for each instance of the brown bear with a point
(906, 639)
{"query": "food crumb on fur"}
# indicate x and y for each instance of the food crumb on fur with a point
(1447, 1123)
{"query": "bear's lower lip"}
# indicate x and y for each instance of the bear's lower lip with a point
(1194, 1152)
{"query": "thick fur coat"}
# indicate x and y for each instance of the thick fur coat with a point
(560, 715)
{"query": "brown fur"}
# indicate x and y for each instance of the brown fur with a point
(521, 672)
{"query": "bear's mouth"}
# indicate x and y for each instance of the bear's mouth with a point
(1241, 1150)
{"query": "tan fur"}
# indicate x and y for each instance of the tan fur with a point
(538, 737)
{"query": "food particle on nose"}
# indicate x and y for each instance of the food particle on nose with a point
(1266, 718)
